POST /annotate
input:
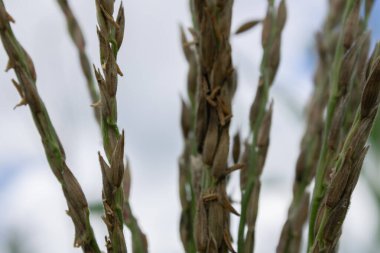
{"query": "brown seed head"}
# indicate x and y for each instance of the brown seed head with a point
(248, 26)
(264, 132)
(221, 156)
(211, 139)
(370, 97)
(267, 27)
(107, 177)
(351, 26)
(216, 222)
(347, 69)
(108, 6)
(73, 191)
(117, 162)
(236, 147)
(281, 15)
(274, 58)
(201, 233)
(120, 21)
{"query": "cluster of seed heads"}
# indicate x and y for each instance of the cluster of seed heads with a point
(340, 116)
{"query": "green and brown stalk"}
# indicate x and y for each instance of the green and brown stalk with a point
(187, 194)
(23, 66)
(350, 77)
(347, 168)
(110, 34)
(78, 39)
(260, 123)
(139, 242)
(345, 74)
(216, 86)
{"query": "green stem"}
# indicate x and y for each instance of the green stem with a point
(319, 187)
(253, 173)
(243, 215)
(25, 71)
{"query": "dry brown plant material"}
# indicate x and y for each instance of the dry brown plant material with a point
(216, 86)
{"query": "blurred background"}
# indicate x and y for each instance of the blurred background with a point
(32, 215)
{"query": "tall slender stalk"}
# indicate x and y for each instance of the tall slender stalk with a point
(216, 86)
(139, 241)
(110, 34)
(345, 174)
(23, 66)
(350, 78)
(260, 123)
(330, 144)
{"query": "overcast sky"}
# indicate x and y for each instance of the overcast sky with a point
(149, 110)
